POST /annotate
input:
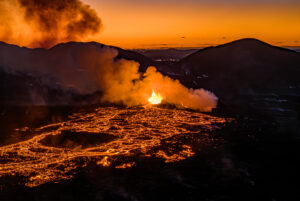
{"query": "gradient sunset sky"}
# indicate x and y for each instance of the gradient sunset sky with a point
(196, 23)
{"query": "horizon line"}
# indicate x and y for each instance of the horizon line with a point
(163, 46)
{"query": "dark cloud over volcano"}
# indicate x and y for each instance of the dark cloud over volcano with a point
(44, 23)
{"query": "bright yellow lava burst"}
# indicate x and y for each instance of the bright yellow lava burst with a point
(155, 98)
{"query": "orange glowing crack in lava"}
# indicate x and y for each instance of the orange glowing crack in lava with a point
(130, 132)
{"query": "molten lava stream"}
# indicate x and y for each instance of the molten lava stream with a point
(108, 137)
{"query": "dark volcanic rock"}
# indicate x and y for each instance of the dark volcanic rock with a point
(75, 140)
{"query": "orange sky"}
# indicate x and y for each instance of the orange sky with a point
(156, 24)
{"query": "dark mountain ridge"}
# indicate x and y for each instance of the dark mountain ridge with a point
(125, 54)
(249, 77)
(23, 84)
(248, 62)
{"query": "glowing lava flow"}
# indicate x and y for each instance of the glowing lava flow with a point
(110, 137)
(155, 98)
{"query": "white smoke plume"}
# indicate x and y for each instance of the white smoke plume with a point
(86, 68)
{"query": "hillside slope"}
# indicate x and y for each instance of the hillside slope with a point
(54, 76)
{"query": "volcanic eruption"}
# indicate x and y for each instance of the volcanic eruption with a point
(82, 120)
(155, 98)
(107, 133)
(89, 68)
(51, 22)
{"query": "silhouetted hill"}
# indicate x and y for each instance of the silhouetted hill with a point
(248, 75)
(23, 84)
(123, 54)
(63, 48)
(242, 65)
(247, 61)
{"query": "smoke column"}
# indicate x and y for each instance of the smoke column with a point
(86, 68)
(45, 23)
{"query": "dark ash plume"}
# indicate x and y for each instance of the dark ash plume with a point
(53, 21)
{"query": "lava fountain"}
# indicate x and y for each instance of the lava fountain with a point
(155, 98)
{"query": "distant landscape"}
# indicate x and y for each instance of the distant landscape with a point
(175, 54)
(142, 100)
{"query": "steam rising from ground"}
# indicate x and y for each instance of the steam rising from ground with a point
(122, 83)
(45, 23)
(85, 68)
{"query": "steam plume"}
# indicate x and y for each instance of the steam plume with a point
(45, 23)
(86, 68)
